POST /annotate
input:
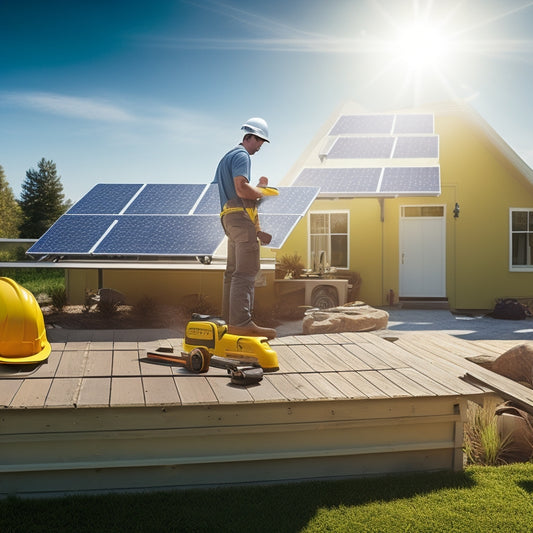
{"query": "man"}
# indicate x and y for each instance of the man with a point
(238, 201)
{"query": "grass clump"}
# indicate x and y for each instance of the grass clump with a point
(483, 443)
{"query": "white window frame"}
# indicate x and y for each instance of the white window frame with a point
(329, 212)
(517, 268)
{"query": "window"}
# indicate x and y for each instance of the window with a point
(521, 239)
(329, 238)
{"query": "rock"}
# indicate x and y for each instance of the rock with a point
(516, 364)
(360, 317)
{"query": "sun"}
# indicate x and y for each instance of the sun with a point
(422, 46)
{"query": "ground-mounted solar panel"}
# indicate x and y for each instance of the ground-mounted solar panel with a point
(424, 146)
(149, 222)
(209, 203)
(73, 234)
(165, 199)
(279, 226)
(414, 123)
(359, 124)
(290, 201)
(411, 181)
(105, 199)
(163, 235)
(343, 181)
(362, 148)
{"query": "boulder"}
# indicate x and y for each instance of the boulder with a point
(349, 317)
(516, 364)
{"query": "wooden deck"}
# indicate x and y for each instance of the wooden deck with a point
(98, 416)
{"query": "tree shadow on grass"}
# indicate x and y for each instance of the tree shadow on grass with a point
(288, 507)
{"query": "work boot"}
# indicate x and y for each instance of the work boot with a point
(252, 330)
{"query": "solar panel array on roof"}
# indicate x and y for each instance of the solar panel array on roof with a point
(160, 220)
(388, 154)
(426, 146)
(358, 181)
(363, 124)
(383, 124)
(390, 181)
(362, 148)
(414, 123)
(411, 181)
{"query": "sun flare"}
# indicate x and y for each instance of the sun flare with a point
(421, 46)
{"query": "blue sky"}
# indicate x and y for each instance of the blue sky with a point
(155, 92)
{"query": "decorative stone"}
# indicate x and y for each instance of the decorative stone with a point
(349, 317)
(516, 364)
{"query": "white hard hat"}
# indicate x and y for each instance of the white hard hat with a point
(256, 126)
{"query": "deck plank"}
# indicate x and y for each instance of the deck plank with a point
(408, 385)
(194, 389)
(328, 355)
(160, 390)
(366, 386)
(285, 387)
(346, 354)
(303, 386)
(8, 389)
(32, 393)
(385, 385)
(265, 391)
(324, 386)
(126, 391)
(434, 386)
(126, 363)
(338, 380)
(297, 358)
(95, 392)
(226, 392)
(63, 392)
(72, 364)
(99, 363)
(311, 359)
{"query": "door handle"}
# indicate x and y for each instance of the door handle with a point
(403, 257)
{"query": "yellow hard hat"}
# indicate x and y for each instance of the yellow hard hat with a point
(22, 332)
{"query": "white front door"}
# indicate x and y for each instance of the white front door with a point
(422, 252)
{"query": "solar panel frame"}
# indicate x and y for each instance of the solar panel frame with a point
(362, 148)
(290, 201)
(162, 235)
(411, 181)
(73, 235)
(345, 181)
(165, 199)
(105, 199)
(358, 124)
(407, 123)
(419, 146)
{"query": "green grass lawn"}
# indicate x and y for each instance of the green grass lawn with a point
(481, 499)
(36, 280)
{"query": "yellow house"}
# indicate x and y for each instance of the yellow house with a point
(423, 204)
(466, 239)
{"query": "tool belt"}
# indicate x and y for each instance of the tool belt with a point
(251, 211)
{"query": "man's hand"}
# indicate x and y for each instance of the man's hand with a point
(264, 238)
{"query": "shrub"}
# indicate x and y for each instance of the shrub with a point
(58, 296)
(289, 266)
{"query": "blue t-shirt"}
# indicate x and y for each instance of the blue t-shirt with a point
(235, 163)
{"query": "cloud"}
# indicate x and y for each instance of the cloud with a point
(69, 106)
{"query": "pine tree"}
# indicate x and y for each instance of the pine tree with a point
(10, 212)
(42, 199)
